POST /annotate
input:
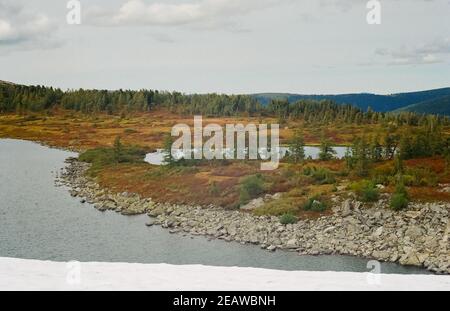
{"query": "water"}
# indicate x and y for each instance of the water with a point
(41, 221)
(157, 158)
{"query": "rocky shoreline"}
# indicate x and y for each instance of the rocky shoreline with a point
(416, 237)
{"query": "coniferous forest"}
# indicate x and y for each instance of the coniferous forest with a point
(22, 99)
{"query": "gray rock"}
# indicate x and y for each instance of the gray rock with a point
(292, 243)
(414, 232)
(272, 248)
(254, 204)
(346, 208)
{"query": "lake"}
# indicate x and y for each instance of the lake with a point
(157, 157)
(41, 221)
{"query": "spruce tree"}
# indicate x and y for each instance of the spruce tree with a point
(297, 147)
(326, 150)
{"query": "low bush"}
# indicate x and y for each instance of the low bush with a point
(101, 157)
(285, 205)
(420, 177)
(320, 175)
(366, 191)
(399, 202)
(314, 205)
(287, 219)
(382, 173)
(250, 188)
(400, 198)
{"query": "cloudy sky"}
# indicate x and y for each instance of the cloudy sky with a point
(228, 46)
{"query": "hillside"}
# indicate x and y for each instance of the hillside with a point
(380, 103)
(439, 106)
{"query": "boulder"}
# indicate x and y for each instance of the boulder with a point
(414, 232)
(150, 223)
(410, 259)
(156, 212)
(346, 208)
(292, 243)
(272, 248)
(252, 205)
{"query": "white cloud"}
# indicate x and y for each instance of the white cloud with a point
(200, 13)
(434, 52)
(346, 5)
(21, 28)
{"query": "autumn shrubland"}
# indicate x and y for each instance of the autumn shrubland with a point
(114, 130)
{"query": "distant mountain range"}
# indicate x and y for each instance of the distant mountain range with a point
(434, 106)
(431, 101)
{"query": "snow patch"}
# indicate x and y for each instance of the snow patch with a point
(20, 274)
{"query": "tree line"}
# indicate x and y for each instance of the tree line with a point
(23, 99)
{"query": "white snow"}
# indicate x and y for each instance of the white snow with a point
(19, 274)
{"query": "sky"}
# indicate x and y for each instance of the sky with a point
(228, 46)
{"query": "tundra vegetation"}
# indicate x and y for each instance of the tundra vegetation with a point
(405, 155)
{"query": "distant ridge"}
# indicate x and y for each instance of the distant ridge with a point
(381, 103)
(440, 106)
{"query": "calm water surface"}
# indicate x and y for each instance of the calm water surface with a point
(41, 221)
(157, 157)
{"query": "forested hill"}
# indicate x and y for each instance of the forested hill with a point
(23, 99)
(439, 106)
(380, 103)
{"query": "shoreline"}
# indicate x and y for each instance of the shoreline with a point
(416, 237)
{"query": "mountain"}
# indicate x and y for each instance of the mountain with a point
(381, 103)
(439, 106)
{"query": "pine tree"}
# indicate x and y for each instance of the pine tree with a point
(168, 157)
(376, 150)
(349, 159)
(297, 147)
(118, 149)
(398, 164)
(360, 156)
(326, 150)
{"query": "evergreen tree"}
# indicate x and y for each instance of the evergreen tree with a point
(361, 156)
(118, 149)
(168, 157)
(297, 147)
(326, 150)
(398, 165)
(376, 149)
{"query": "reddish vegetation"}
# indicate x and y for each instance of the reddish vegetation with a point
(208, 184)
(435, 164)
(182, 187)
(63, 128)
(428, 194)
